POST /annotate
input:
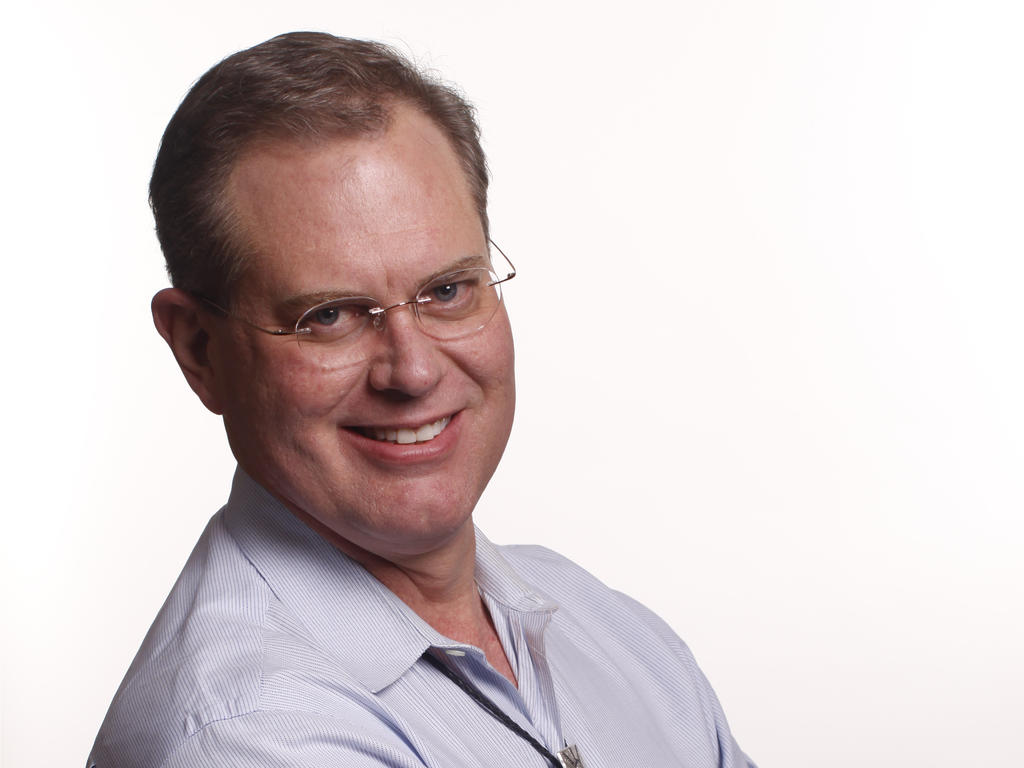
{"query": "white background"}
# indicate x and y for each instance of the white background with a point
(768, 324)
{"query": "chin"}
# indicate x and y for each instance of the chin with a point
(438, 521)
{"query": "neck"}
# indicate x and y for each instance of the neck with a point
(439, 586)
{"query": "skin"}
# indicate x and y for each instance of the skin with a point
(374, 216)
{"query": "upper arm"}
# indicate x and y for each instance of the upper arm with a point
(289, 740)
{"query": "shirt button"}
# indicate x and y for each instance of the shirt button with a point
(455, 652)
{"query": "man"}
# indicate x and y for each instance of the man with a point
(322, 209)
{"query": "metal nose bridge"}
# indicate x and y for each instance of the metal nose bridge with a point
(377, 314)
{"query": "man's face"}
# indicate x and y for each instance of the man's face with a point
(373, 216)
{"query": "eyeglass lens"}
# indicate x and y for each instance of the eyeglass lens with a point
(449, 307)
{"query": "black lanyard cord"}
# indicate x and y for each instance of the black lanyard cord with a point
(491, 708)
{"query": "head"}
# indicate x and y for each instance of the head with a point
(303, 87)
(335, 178)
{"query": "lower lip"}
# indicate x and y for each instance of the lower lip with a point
(386, 452)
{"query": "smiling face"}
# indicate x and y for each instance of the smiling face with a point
(327, 430)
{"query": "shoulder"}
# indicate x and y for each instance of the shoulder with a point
(231, 675)
(592, 615)
(576, 591)
(606, 643)
(537, 563)
(201, 662)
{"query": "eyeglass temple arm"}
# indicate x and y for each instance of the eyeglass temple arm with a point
(507, 259)
(272, 331)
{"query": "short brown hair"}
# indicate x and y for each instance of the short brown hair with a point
(301, 86)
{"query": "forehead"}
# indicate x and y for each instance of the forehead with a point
(353, 211)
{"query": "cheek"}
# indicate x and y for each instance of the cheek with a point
(495, 359)
(488, 359)
(287, 394)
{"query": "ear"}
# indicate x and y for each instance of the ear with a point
(184, 325)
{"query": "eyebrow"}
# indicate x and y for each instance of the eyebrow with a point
(464, 263)
(303, 301)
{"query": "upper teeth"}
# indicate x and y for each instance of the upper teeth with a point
(407, 436)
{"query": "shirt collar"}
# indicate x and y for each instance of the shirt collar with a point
(349, 614)
(499, 581)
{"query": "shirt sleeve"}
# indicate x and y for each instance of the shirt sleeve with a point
(729, 753)
(288, 740)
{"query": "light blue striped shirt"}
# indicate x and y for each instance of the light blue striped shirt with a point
(275, 649)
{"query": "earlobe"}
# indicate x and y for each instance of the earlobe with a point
(184, 325)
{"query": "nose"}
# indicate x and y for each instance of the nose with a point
(407, 362)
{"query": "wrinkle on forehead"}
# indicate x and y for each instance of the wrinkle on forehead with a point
(369, 185)
(378, 213)
(305, 301)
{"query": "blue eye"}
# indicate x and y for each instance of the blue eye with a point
(445, 292)
(334, 319)
(326, 315)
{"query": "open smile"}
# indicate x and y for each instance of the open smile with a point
(405, 435)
